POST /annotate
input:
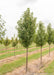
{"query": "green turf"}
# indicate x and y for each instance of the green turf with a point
(18, 47)
(50, 68)
(18, 53)
(11, 66)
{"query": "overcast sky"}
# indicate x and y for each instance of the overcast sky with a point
(12, 10)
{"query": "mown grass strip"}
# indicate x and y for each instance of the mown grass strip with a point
(16, 49)
(50, 68)
(15, 64)
(18, 53)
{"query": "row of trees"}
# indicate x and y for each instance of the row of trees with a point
(29, 31)
(6, 42)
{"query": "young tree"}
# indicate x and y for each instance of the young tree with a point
(6, 42)
(26, 30)
(1, 40)
(53, 36)
(40, 37)
(14, 43)
(49, 36)
(2, 28)
(12, 39)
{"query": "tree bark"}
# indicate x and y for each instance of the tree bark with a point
(41, 56)
(14, 51)
(49, 50)
(26, 60)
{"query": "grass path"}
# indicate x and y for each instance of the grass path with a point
(10, 48)
(13, 58)
(49, 68)
(11, 66)
(16, 50)
(3, 56)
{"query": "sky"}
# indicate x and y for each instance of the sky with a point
(12, 10)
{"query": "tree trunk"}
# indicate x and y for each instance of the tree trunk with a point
(26, 59)
(49, 50)
(41, 56)
(14, 51)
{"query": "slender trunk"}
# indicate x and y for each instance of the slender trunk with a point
(49, 50)
(14, 51)
(41, 56)
(26, 59)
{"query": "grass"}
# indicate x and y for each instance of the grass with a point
(15, 64)
(50, 68)
(18, 47)
(17, 53)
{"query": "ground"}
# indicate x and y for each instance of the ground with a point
(11, 62)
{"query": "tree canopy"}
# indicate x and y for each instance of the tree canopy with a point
(26, 28)
(41, 35)
(6, 41)
(49, 34)
(2, 27)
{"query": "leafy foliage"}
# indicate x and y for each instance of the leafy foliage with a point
(41, 35)
(49, 34)
(6, 42)
(1, 40)
(2, 27)
(26, 28)
(12, 39)
(53, 36)
(14, 42)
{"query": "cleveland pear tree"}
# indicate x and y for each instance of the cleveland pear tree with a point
(6, 42)
(26, 31)
(14, 43)
(2, 28)
(16, 40)
(40, 37)
(49, 35)
(53, 36)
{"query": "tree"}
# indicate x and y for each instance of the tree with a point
(26, 30)
(14, 43)
(12, 39)
(40, 37)
(1, 40)
(49, 35)
(2, 28)
(6, 42)
(53, 36)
